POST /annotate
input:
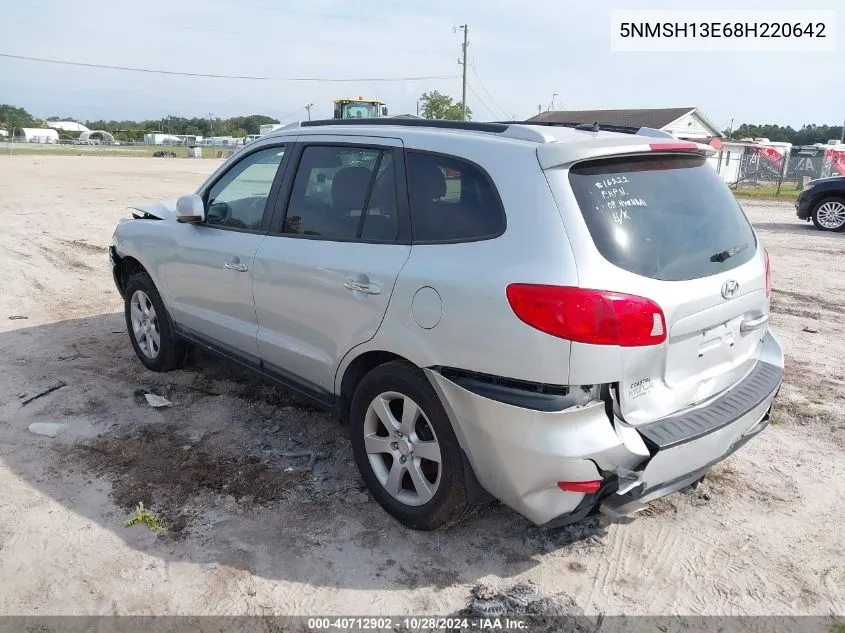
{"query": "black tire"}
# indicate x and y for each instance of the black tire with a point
(171, 353)
(449, 501)
(815, 214)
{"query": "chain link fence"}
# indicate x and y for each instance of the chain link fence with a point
(68, 147)
(777, 166)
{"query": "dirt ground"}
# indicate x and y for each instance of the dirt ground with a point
(253, 530)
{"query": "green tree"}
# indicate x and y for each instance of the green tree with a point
(436, 105)
(807, 135)
(12, 117)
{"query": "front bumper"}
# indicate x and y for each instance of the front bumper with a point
(802, 207)
(519, 454)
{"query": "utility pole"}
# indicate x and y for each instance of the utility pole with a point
(842, 138)
(308, 107)
(463, 63)
(211, 123)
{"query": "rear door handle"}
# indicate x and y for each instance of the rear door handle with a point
(749, 325)
(361, 286)
(237, 265)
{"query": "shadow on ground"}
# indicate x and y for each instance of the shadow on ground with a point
(244, 476)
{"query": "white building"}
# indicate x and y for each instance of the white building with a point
(67, 126)
(222, 141)
(267, 128)
(157, 138)
(683, 123)
(39, 135)
(728, 159)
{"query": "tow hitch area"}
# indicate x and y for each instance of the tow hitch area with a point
(619, 507)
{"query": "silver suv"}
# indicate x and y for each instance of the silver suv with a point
(565, 319)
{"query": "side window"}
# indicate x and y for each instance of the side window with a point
(239, 198)
(344, 193)
(451, 200)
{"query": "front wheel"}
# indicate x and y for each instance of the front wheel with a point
(150, 329)
(829, 214)
(405, 447)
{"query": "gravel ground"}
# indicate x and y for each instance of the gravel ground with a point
(253, 530)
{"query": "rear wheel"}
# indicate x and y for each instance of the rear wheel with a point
(829, 214)
(150, 329)
(405, 447)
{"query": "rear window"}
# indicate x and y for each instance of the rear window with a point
(670, 217)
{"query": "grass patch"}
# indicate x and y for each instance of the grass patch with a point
(769, 192)
(143, 516)
(838, 627)
(777, 419)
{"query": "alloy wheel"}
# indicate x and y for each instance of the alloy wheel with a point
(831, 215)
(145, 327)
(402, 448)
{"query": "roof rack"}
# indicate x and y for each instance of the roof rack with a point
(525, 130)
(438, 123)
(601, 127)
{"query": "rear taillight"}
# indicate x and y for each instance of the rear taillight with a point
(598, 317)
(768, 273)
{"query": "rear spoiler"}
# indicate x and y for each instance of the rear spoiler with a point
(555, 154)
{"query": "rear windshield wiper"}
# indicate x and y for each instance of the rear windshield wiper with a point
(727, 253)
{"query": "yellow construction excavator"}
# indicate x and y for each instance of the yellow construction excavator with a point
(359, 108)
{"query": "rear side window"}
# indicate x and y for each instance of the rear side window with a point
(452, 200)
(670, 217)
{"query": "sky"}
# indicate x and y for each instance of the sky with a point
(521, 54)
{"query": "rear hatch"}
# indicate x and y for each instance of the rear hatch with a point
(664, 226)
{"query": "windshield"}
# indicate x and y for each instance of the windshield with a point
(669, 217)
(359, 111)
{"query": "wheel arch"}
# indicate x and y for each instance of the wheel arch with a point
(127, 267)
(836, 194)
(355, 371)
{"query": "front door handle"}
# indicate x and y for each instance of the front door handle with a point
(361, 286)
(237, 265)
(750, 325)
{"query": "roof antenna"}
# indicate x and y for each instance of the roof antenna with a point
(589, 127)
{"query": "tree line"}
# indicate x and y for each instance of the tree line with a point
(127, 130)
(808, 134)
(433, 105)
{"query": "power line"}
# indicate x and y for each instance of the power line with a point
(65, 62)
(481, 101)
(284, 116)
(483, 87)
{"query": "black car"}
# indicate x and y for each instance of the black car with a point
(823, 202)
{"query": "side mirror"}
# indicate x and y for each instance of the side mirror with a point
(384, 111)
(190, 209)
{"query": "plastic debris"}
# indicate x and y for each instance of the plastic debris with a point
(157, 401)
(50, 429)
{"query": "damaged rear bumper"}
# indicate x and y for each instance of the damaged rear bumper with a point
(519, 454)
